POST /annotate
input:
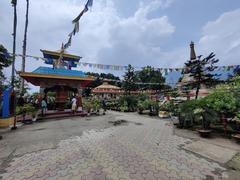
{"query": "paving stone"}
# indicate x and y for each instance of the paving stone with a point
(150, 151)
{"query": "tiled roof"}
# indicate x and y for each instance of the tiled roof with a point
(105, 85)
(62, 72)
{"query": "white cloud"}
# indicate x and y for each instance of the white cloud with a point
(222, 36)
(102, 30)
(137, 39)
(105, 36)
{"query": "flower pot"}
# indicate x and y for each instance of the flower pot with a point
(163, 114)
(175, 120)
(6, 122)
(34, 118)
(204, 132)
(236, 137)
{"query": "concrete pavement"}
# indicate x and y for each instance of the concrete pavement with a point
(91, 148)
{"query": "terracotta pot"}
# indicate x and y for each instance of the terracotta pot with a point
(236, 137)
(204, 133)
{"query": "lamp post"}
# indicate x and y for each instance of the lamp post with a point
(14, 4)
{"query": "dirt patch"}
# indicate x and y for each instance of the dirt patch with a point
(118, 122)
(40, 129)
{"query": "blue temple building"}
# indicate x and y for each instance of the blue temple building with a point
(60, 78)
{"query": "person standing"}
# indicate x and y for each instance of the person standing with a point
(20, 104)
(79, 103)
(74, 104)
(21, 101)
(104, 106)
(44, 106)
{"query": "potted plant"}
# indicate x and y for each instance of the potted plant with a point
(96, 105)
(21, 111)
(154, 108)
(205, 131)
(34, 114)
(87, 105)
(30, 110)
(175, 113)
(142, 105)
(164, 109)
(186, 113)
(124, 107)
(237, 119)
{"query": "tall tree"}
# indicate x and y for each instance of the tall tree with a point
(24, 45)
(5, 61)
(18, 86)
(129, 80)
(201, 70)
(152, 77)
(236, 71)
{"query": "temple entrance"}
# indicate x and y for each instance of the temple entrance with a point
(62, 95)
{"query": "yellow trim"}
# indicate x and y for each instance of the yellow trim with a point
(6, 122)
(58, 54)
(36, 75)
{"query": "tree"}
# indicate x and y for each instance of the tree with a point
(5, 61)
(24, 46)
(201, 71)
(113, 80)
(236, 71)
(153, 78)
(223, 102)
(129, 80)
(17, 86)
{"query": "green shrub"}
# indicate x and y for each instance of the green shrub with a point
(154, 108)
(167, 106)
(87, 105)
(143, 105)
(186, 116)
(26, 109)
(124, 107)
(96, 104)
(130, 101)
(221, 101)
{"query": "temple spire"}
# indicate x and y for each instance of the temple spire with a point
(192, 53)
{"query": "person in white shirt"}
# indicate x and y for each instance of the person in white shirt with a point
(74, 104)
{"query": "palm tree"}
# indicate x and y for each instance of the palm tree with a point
(24, 46)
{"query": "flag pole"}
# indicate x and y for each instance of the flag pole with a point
(14, 3)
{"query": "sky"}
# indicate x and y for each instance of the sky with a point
(122, 32)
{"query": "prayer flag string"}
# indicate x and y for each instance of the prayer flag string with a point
(164, 71)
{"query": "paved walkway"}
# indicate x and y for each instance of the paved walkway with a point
(143, 148)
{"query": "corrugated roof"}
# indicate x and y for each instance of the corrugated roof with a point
(62, 72)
